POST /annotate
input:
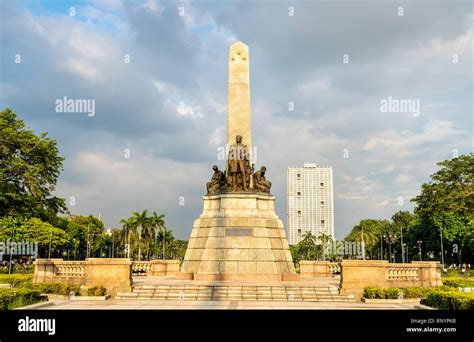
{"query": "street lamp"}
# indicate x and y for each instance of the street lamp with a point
(74, 242)
(442, 248)
(50, 240)
(419, 249)
(402, 244)
(110, 233)
(381, 246)
(390, 237)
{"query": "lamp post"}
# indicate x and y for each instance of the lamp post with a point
(50, 240)
(110, 233)
(419, 249)
(401, 244)
(88, 247)
(390, 238)
(75, 247)
(442, 249)
(164, 238)
(381, 246)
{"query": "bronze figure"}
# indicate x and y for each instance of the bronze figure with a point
(213, 187)
(238, 166)
(260, 183)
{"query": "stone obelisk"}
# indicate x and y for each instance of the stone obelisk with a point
(238, 114)
(238, 236)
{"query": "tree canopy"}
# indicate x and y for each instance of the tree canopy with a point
(29, 168)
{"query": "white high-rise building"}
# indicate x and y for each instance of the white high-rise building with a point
(310, 201)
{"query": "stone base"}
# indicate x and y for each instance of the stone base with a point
(238, 237)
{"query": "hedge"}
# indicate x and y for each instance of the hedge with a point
(396, 292)
(15, 298)
(57, 288)
(96, 291)
(380, 293)
(17, 280)
(458, 282)
(450, 300)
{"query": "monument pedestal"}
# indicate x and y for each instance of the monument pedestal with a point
(238, 237)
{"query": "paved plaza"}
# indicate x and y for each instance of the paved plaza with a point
(156, 304)
(113, 304)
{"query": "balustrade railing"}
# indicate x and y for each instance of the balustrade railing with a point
(403, 273)
(141, 267)
(70, 270)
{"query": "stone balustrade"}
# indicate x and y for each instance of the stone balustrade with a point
(156, 267)
(359, 274)
(315, 268)
(114, 274)
(141, 267)
(70, 270)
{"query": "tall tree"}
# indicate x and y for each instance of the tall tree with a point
(140, 223)
(29, 168)
(127, 227)
(445, 207)
(371, 232)
(165, 238)
(157, 222)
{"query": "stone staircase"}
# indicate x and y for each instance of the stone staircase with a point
(236, 293)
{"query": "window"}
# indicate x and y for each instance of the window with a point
(299, 232)
(299, 193)
(321, 184)
(322, 203)
(322, 221)
(298, 176)
(299, 213)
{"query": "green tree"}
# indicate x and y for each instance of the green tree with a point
(158, 223)
(29, 168)
(324, 239)
(371, 231)
(445, 208)
(34, 230)
(140, 224)
(402, 221)
(85, 235)
(126, 235)
(165, 241)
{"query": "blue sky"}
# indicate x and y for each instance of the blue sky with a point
(183, 60)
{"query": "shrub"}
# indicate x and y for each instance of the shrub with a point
(458, 282)
(57, 288)
(380, 293)
(392, 293)
(15, 298)
(370, 292)
(96, 291)
(17, 280)
(456, 272)
(415, 291)
(450, 300)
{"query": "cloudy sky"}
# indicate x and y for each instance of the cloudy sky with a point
(166, 108)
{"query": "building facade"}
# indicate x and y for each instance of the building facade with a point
(309, 201)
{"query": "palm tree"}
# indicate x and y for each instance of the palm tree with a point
(307, 245)
(157, 222)
(127, 225)
(166, 237)
(324, 239)
(140, 222)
